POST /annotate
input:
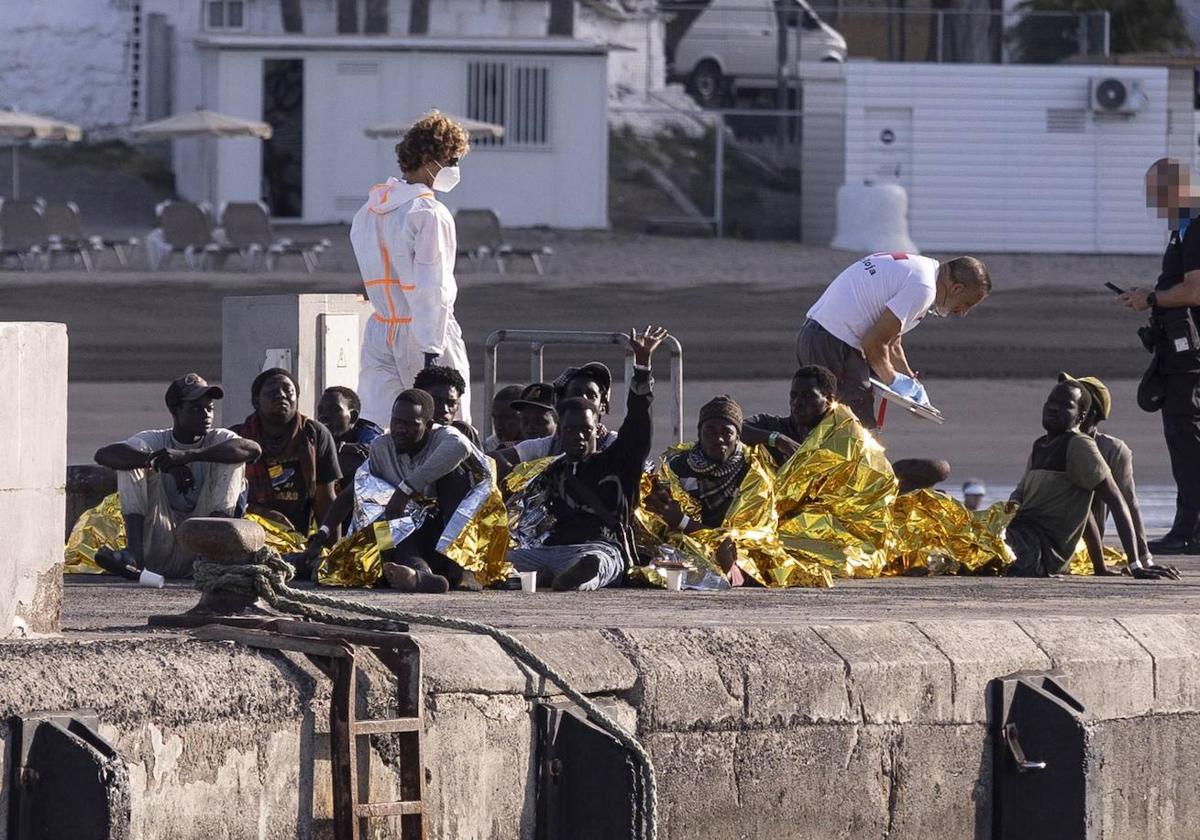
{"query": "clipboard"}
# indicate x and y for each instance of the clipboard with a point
(925, 412)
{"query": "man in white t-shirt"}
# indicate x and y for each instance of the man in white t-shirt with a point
(165, 476)
(855, 327)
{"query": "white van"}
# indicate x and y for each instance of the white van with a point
(732, 44)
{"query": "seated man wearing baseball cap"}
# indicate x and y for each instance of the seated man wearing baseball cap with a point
(165, 476)
(1116, 454)
(536, 412)
(591, 382)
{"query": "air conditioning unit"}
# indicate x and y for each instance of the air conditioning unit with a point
(1111, 95)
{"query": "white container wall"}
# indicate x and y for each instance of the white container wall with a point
(1009, 158)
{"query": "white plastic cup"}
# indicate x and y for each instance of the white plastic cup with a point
(151, 579)
(674, 579)
(528, 581)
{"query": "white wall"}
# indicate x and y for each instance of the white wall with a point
(982, 170)
(67, 59)
(562, 185)
(33, 473)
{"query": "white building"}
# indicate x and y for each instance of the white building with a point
(321, 92)
(540, 67)
(1009, 157)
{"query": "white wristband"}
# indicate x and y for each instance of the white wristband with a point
(404, 488)
(683, 523)
(324, 533)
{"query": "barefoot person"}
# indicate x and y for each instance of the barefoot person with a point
(855, 328)
(590, 495)
(726, 485)
(1055, 495)
(166, 476)
(417, 457)
(405, 243)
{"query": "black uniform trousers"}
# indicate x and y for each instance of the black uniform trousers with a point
(1181, 426)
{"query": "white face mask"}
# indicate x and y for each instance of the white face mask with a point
(446, 179)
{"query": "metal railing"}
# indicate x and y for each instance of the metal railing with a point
(537, 341)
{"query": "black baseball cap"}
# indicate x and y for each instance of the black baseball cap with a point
(191, 386)
(593, 370)
(538, 395)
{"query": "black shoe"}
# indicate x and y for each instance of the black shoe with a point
(1192, 547)
(577, 574)
(1172, 545)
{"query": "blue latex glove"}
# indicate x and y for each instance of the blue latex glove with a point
(906, 386)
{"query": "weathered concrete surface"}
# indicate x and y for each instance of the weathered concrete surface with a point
(774, 714)
(33, 452)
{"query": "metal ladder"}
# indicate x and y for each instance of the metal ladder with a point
(333, 650)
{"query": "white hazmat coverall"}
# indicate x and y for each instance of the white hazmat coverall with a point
(405, 244)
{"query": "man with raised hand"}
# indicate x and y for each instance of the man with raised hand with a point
(591, 495)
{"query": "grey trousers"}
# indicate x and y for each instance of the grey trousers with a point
(816, 346)
(555, 558)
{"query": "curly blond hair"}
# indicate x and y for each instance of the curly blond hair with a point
(434, 137)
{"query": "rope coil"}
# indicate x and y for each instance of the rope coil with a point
(268, 575)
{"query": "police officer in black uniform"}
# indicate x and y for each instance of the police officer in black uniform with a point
(1172, 384)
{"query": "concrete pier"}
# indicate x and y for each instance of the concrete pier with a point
(33, 467)
(856, 712)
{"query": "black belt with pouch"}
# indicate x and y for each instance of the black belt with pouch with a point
(1176, 331)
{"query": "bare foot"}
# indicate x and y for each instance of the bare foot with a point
(726, 555)
(408, 579)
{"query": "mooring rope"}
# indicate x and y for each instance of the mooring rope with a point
(268, 576)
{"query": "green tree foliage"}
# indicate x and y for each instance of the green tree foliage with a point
(1138, 26)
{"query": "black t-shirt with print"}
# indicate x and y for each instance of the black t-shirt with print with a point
(287, 481)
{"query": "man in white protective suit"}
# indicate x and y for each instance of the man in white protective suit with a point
(405, 243)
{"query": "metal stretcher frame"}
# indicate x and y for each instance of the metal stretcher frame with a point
(537, 341)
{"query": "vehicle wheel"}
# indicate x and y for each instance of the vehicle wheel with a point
(708, 85)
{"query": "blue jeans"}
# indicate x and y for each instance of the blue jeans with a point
(556, 558)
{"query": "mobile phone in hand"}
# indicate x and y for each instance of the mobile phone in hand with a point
(1114, 288)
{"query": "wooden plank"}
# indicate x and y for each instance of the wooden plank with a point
(272, 641)
(343, 763)
(386, 726)
(388, 809)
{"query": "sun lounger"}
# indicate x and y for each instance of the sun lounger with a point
(248, 228)
(64, 228)
(22, 234)
(187, 230)
(480, 236)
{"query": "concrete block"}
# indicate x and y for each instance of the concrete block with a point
(687, 683)
(462, 662)
(479, 767)
(980, 651)
(33, 421)
(33, 466)
(894, 673)
(1142, 778)
(739, 678)
(253, 325)
(730, 678)
(1174, 643)
(1105, 667)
